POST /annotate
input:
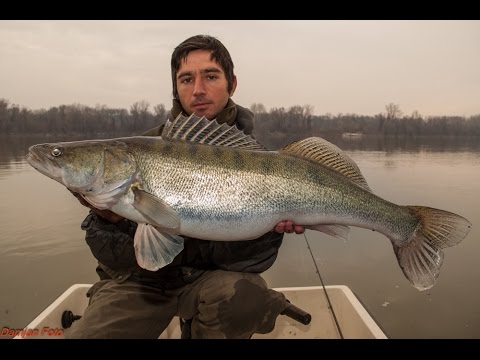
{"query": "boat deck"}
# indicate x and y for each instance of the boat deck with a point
(354, 321)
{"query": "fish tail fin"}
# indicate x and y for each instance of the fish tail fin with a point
(420, 256)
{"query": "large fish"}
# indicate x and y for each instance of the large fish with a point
(213, 182)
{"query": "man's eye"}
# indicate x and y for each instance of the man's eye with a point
(211, 77)
(186, 80)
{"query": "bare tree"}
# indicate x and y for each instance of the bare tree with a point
(4, 103)
(393, 111)
(139, 108)
(416, 115)
(308, 110)
(159, 111)
(258, 108)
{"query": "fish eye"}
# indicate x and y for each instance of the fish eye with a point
(57, 151)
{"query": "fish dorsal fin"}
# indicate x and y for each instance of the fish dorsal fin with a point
(325, 153)
(203, 131)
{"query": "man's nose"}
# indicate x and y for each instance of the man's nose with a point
(199, 87)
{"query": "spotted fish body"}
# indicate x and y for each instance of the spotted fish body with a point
(223, 193)
(210, 181)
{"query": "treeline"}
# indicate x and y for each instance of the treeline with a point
(79, 119)
(282, 123)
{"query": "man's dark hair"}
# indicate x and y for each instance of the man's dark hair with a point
(202, 42)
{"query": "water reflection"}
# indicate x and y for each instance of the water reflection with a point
(385, 144)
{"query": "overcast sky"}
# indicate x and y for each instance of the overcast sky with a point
(335, 66)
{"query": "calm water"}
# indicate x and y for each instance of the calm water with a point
(42, 248)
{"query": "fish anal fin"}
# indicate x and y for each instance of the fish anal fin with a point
(329, 155)
(155, 210)
(335, 230)
(155, 249)
(203, 131)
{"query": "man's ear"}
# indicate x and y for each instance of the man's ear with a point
(234, 85)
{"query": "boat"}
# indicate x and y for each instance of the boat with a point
(352, 135)
(314, 312)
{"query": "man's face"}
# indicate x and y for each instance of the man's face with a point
(202, 85)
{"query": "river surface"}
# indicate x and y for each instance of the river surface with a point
(43, 251)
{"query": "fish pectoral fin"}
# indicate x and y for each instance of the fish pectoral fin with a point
(155, 249)
(335, 230)
(155, 210)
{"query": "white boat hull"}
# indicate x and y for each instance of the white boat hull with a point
(353, 319)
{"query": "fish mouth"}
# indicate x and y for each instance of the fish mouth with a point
(33, 159)
(42, 163)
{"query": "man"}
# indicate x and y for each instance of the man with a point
(215, 285)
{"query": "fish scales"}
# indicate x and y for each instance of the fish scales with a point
(210, 187)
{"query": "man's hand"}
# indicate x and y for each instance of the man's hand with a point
(105, 214)
(289, 227)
